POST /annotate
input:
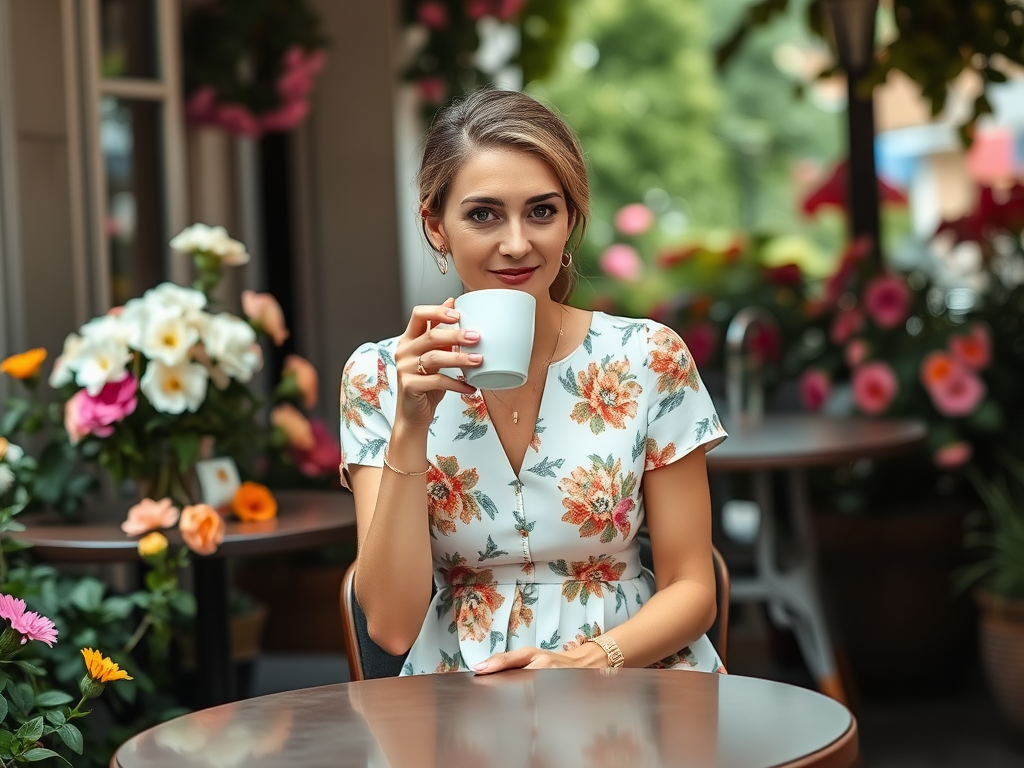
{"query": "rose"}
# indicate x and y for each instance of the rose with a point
(295, 426)
(874, 387)
(815, 387)
(265, 314)
(202, 529)
(148, 515)
(305, 377)
(887, 301)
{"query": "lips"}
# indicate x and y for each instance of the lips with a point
(515, 272)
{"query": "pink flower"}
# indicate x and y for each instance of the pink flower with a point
(201, 106)
(294, 57)
(433, 90)
(701, 339)
(815, 387)
(973, 349)
(265, 313)
(621, 262)
(432, 15)
(148, 515)
(294, 84)
(323, 457)
(315, 62)
(953, 455)
(874, 387)
(959, 393)
(237, 119)
(286, 117)
(29, 624)
(306, 378)
(85, 414)
(509, 9)
(847, 323)
(887, 301)
(634, 219)
(855, 353)
(477, 9)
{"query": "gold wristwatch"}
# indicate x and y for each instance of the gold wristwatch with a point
(610, 647)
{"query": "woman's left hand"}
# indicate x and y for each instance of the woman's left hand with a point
(586, 655)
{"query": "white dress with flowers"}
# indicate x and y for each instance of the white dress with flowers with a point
(547, 558)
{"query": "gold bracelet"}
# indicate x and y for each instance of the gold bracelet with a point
(400, 472)
(611, 648)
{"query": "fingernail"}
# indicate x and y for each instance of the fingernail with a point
(475, 358)
(452, 314)
(480, 667)
(471, 336)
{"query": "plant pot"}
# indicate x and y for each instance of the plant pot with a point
(1001, 636)
(887, 583)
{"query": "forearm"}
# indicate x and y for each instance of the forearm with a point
(394, 569)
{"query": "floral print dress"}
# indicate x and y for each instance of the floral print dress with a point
(547, 558)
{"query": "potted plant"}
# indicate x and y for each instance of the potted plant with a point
(997, 536)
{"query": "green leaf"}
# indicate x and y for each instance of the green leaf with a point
(30, 731)
(39, 753)
(186, 446)
(4, 707)
(20, 696)
(13, 416)
(71, 736)
(56, 716)
(52, 699)
(54, 469)
(87, 594)
(183, 602)
(29, 667)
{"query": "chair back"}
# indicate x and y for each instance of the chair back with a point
(367, 660)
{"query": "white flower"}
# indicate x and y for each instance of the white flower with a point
(175, 388)
(6, 478)
(105, 327)
(211, 240)
(12, 453)
(231, 344)
(101, 359)
(175, 296)
(64, 366)
(167, 337)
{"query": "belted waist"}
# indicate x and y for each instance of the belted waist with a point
(599, 568)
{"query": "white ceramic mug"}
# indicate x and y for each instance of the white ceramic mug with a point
(505, 321)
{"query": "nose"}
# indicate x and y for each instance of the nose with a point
(514, 242)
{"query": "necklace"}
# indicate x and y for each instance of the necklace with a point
(543, 368)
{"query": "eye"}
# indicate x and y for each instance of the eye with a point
(544, 211)
(480, 215)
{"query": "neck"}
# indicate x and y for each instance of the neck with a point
(549, 322)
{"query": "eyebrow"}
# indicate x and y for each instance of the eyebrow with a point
(501, 203)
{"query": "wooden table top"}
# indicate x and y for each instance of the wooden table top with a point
(563, 718)
(305, 520)
(787, 441)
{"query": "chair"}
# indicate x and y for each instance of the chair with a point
(367, 660)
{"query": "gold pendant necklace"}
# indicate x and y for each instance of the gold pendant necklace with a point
(547, 363)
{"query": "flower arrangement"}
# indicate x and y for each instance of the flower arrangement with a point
(250, 64)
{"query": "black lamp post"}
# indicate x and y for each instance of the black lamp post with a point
(853, 28)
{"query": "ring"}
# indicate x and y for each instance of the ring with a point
(419, 367)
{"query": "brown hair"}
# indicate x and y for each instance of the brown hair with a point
(506, 120)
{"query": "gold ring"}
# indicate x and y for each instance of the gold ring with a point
(419, 367)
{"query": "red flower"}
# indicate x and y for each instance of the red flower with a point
(973, 349)
(887, 301)
(786, 274)
(836, 187)
(815, 387)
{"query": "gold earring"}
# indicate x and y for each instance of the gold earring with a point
(566, 264)
(441, 259)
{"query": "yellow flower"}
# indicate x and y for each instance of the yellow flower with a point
(25, 365)
(3, 447)
(101, 669)
(152, 544)
(254, 502)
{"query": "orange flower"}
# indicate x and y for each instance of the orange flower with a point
(599, 500)
(450, 496)
(609, 396)
(306, 378)
(937, 368)
(472, 595)
(358, 397)
(658, 457)
(672, 361)
(25, 365)
(296, 427)
(973, 349)
(254, 502)
(521, 614)
(202, 528)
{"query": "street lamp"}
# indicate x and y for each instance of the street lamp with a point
(853, 29)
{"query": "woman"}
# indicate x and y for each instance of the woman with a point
(523, 506)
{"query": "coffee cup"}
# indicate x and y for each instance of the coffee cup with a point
(505, 321)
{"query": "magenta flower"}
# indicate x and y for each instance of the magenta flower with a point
(432, 15)
(86, 414)
(237, 119)
(847, 323)
(433, 90)
(634, 219)
(887, 301)
(323, 457)
(874, 387)
(294, 84)
(855, 352)
(953, 455)
(201, 106)
(815, 387)
(287, 116)
(701, 340)
(621, 262)
(29, 624)
(959, 393)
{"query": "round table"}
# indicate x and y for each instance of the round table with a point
(793, 443)
(559, 717)
(306, 520)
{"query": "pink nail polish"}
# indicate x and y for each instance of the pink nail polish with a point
(471, 336)
(480, 667)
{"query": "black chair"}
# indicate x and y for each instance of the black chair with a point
(367, 660)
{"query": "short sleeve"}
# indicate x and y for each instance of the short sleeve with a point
(366, 393)
(680, 413)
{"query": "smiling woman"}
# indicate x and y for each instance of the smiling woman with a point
(523, 508)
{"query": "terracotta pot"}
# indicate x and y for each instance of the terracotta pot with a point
(1002, 652)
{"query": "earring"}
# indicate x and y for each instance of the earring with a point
(441, 259)
(566, 264)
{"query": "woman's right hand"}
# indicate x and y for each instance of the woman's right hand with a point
(424, 344)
